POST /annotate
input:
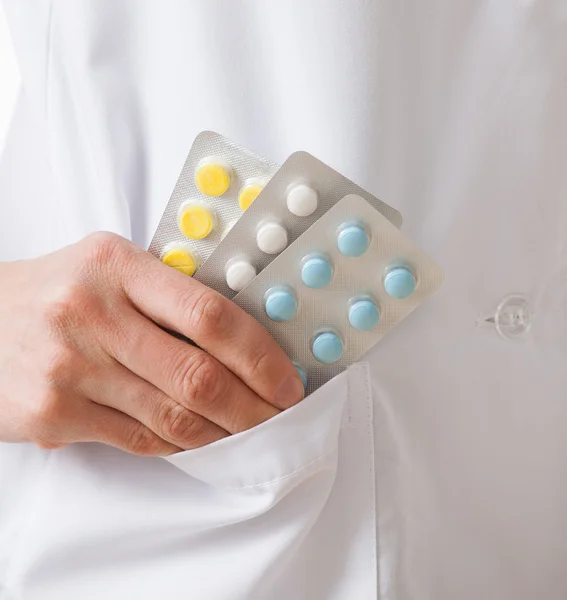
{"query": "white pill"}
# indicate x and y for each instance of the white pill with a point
(239, 274)
(271, 238)
(302, 200)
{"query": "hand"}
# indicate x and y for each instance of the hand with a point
(82, 357)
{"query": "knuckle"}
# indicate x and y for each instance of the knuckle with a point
(103, 249)
(49, 445)
(76, 311)
(200, 381)
(208, 313)
(258, 360)
(64, 311)
(142, 441)
(181, 425)
(104, 244)
(47, 410)
(60, 365)
(202, 378)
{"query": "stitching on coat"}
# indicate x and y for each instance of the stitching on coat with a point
(372, 480)
(284, 477)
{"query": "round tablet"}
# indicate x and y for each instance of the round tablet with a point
(302, 374)
(196, 221)
(271, 238)
(302, 200)
(239, 274)
(353, 241)
(281, 305)
(316, 272)
(399, 283)
(363, 315)
(248, 193)
(327, 347)
(180, 259)
(213, 176)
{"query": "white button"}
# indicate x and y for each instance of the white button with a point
(239, 274)
(512, 318)
(271, 238)
(302, 200)
(544, 321)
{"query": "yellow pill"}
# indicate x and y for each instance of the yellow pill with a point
(196, 222)
(213, 178)
(180, 259)
(248, 194)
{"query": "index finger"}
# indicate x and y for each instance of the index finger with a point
(217, 325)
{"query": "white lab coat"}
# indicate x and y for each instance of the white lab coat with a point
(436, 469)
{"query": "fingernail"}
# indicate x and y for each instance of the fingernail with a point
(290, 392)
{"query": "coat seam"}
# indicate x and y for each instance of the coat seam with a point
(284, 477)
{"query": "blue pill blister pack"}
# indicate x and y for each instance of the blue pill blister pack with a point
(299, 194)
(339, 288)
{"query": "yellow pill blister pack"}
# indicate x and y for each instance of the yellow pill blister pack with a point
(299, 194)
(219, 181)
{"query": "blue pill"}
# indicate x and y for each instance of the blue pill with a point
(302, 374)
(327, 347)
(281, 305)
(364, 315)
(399, 283)
(316, 272)
(353, 241)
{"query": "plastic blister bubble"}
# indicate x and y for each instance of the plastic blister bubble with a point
(299, 194)
(218, 178)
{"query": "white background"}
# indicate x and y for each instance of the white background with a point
(9, 78)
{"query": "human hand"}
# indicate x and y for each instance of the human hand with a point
(82, 358)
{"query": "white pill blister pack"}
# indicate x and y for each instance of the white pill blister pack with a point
(219, 181)
(299, 194)
(339, 288)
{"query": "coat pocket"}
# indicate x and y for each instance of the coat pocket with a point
(276, 452)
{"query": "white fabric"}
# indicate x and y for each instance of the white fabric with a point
(246, 519)
(453, 112)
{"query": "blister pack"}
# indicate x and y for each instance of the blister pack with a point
(303, 189)
(219, 181)
(339, 288)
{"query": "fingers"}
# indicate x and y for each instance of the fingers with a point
(217, 325)
(187, 375)
(59, 421)
(120, 389)
(112, 427)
